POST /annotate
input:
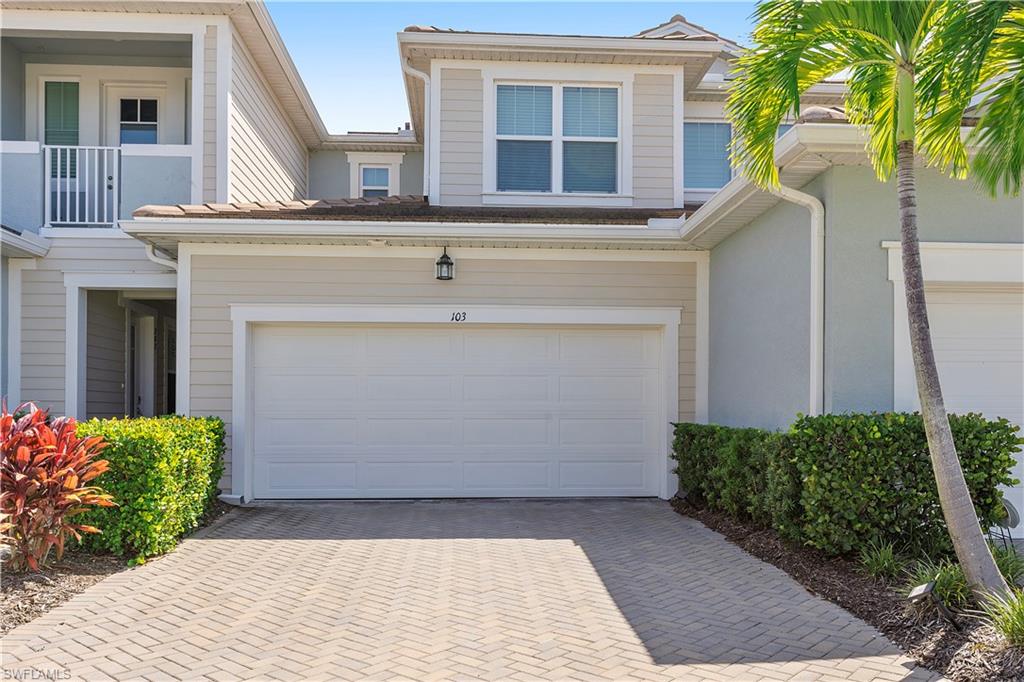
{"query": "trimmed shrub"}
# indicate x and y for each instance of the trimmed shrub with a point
(868, 476)
(45, 475)
(163, 475)
(840, 482)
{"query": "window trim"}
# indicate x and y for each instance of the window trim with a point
(357, 160)
(154, 124)
(623, 82)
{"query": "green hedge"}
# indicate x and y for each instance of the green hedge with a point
(163, 475)
(836, 482)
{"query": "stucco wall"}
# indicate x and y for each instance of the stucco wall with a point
(860, 215)
(759, 320)
(219, 281)
(12, 92)
(21, 190)
(154, 180)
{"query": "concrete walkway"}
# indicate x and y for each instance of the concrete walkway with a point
(524, 590)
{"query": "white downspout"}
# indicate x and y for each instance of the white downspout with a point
(415, 73)
(817, 358)
(167, 263)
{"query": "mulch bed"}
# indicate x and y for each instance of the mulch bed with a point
(973, 654)
(26, 596)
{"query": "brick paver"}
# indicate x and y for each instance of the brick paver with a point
(497, 590)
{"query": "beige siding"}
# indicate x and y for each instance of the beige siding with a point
(210, 114)
(218, 281)
(652, 141)
(105, 355)
(267, 158)
(43, 300)
(462, 130)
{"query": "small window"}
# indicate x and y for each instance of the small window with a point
(783, 128)
(138, 121)
(706, 155)
(374, 181)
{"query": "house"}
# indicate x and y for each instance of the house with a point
(513, 296)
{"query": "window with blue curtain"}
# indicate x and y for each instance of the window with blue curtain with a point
(706, 155)
(523, 165)
(590, 165)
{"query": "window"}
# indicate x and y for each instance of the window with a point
(138, 121)
(590, 131)
(524, 138)
(783, 128)
(60, 123)
(587, 137)
(706, 155)
(373, 181)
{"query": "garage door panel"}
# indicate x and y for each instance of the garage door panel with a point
(424, 412)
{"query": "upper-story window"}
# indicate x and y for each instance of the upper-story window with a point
(374, 181)
(539, 151)
(706, 155)
(138, 121)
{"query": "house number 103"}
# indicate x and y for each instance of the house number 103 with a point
(458, 317)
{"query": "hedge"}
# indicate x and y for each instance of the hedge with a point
(163, 475)
(837, 482)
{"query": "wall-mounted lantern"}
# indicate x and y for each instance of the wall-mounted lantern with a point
(445, 267)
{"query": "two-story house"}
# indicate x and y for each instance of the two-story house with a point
(515, 295)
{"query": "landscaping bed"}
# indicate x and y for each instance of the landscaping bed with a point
(974, 653)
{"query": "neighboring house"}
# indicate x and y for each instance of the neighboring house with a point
(611, 275)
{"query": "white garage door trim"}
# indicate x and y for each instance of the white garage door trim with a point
(244, 316)
(997, 267)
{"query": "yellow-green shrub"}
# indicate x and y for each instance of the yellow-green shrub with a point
(163, 475)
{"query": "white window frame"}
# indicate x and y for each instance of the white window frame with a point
(703, 193)
(359, 160)
(155, 124)
(556, 138)
(363, 186)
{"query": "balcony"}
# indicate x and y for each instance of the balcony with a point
(94, 126)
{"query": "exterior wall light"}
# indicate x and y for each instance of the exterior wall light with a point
(445, 267)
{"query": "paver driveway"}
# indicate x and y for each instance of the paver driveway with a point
(618, 589)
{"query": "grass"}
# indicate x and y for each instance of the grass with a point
(881, 560)
(1007, 616)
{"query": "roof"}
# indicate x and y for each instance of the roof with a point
(18, 244)
(801, 154)
(419, 45)
(407, 209)
(680, 26)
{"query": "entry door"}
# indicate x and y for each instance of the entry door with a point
(364, 411)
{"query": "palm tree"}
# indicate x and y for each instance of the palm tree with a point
(912, 69)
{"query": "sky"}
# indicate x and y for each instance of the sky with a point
(347, 53)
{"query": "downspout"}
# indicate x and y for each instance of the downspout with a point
(415, 73)
(817, 317)
(159, 260)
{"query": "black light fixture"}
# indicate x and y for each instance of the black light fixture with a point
(445, 267)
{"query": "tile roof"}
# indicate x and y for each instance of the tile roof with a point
(408, 208)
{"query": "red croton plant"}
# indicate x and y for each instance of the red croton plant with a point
(44, 471)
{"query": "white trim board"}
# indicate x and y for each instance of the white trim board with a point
(243, 316)
(76, 284)
(390, 160)
(962, 265)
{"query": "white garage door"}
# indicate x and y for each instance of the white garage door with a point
(377, 411)
(978, 338)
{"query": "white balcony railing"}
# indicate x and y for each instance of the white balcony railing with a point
(81, 185)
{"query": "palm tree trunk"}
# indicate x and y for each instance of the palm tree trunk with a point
(964, 529)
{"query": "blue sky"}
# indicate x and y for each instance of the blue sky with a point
(348, 57)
